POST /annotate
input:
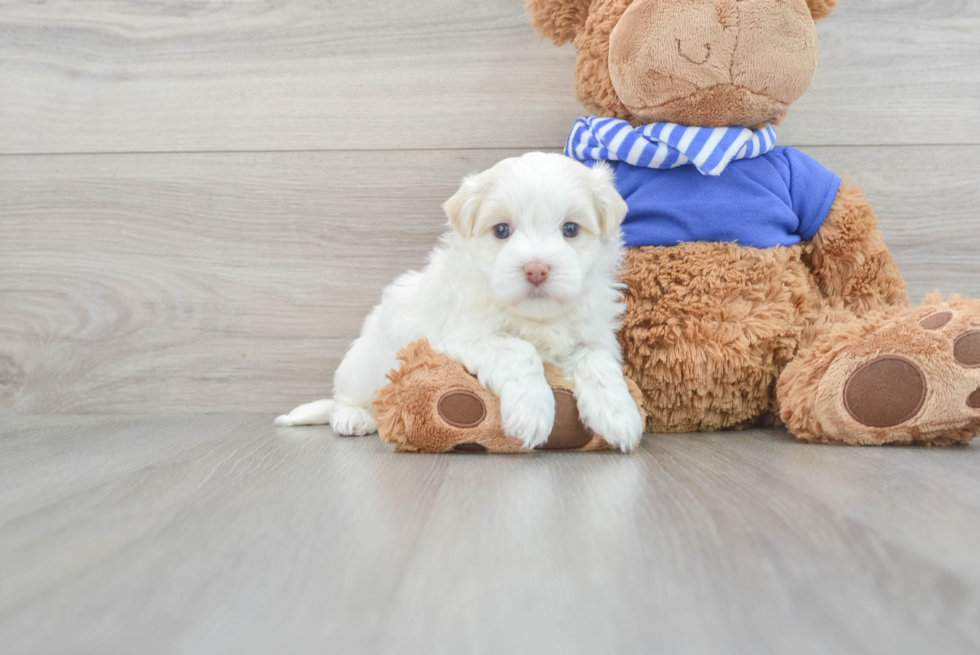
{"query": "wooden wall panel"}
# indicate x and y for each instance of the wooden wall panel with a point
(122, 76)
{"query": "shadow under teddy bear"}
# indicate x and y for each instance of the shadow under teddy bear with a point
(759, 288)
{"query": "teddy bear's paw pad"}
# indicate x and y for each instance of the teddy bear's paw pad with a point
(885, 392)
(471, 447)
(936, 321)
(974, 400)
(569, 433)
(966, 349)
(462, 409)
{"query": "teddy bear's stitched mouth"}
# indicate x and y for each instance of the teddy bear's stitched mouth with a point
(707, 55)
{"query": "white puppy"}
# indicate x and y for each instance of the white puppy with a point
(527, 275)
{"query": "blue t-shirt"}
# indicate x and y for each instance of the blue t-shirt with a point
(778, 199)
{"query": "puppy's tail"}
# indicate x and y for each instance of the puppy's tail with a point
(315, 413)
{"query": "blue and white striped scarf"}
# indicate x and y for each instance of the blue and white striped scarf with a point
(666, 145)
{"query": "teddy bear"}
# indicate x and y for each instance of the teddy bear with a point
(758, 287)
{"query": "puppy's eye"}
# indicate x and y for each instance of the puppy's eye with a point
(501, 231)
(569, 230)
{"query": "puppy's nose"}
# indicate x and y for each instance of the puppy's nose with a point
(536, 272)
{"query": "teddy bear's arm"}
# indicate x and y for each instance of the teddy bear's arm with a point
(849, 258)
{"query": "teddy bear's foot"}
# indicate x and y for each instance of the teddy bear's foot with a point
(433, 405)
(911, 377)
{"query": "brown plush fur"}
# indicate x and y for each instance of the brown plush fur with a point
(821, 8)
(850, 260)
(709, 328)
(594, 87)
(558, 21)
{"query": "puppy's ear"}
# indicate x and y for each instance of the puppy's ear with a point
(558, 20)
(464, 207)
(821, 8)
(609, 205)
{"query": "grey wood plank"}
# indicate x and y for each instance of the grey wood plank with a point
(932, 528)
(253, 75)
(204, 282)
(890, 73)
(293, 540)
(702, 544)
(246, 541)
(114, 76)
(45, 461)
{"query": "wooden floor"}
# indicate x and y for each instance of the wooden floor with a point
(222, 534)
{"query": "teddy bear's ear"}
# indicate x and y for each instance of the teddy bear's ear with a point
(821, 8)
(560, 20)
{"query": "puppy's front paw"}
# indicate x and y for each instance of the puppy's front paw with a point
(527, 412)
(613, 415)
(350, 421)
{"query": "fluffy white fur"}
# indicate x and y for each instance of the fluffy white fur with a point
(475, 303)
